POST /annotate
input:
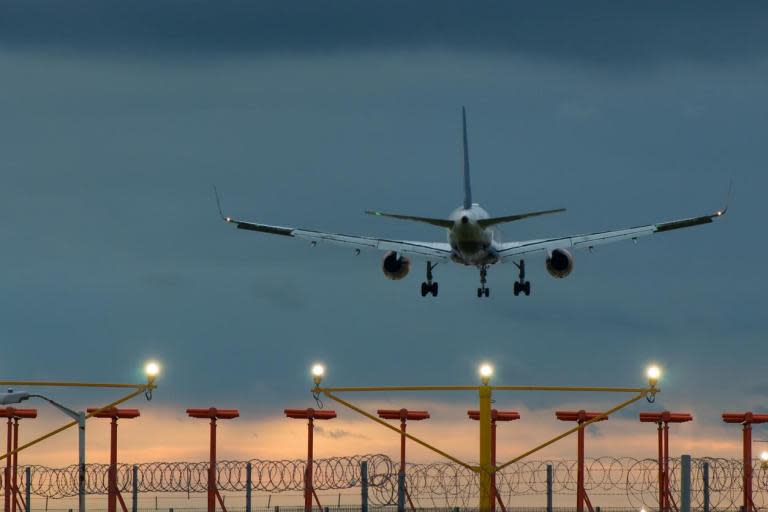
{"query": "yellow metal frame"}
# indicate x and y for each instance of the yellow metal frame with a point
(137, 390)
(485, 469)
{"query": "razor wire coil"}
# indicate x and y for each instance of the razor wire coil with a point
(429, 485)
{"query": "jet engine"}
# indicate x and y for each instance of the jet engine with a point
(394, 266)
(559, 263)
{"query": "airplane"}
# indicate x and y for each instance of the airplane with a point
(472, 240)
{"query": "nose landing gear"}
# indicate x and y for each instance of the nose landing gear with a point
(428, 286)
(483, 291)
(521, 285)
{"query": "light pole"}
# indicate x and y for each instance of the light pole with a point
(152, 369)
(79, 416)
(487, 468)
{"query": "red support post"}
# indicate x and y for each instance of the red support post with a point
(581, 417)
(14, 476)
(662, 420)
(213, 414)
(496, 415)
(113, 493)
(310, 415)
(11, 486)
(747, 419)
(403, 415)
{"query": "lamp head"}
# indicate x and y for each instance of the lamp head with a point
(486, 371)
(12, 397)
(653, 373)
(318, 372)
(152, 370)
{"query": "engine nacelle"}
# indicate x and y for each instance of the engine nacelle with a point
(559, 263)
(394, 266)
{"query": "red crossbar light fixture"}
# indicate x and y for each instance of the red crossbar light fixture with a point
(662, 420)
(113, 412)
(214, 413)
(12, 412)
(665, 417)
(496, 415)
(309, 414)
(402, 414)
(11, 486)
(580, 416)
(744, 417)
(747, 419)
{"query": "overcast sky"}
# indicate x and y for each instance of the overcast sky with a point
(117, 119)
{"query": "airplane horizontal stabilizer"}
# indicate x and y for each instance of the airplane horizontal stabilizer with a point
(443, 223)
(511, 218)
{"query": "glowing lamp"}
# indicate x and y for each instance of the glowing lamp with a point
(653, 373)
(486, 371)
(152, 369)
(318, 371)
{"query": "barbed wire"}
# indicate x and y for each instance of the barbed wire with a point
(429, 485)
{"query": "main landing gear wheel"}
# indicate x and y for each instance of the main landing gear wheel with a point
(428, 286)
(483, 291)
(521, 285)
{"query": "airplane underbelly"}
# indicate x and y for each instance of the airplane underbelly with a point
(472, 246)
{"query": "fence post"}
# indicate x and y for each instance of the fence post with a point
(364, 486)
(685, 483)
(549, 487)
(135, 489)
(28, 488)
(401, 492)
(248, 470)
(706, 486)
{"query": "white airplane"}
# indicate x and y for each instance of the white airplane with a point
(472, 240)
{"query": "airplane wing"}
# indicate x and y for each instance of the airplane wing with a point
(516, 250)
(427, 250)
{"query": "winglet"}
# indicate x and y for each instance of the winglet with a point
(218, 205)
(720, 213)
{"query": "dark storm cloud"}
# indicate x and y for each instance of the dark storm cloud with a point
(616, 33)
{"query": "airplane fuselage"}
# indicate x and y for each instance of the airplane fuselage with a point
(470, 242)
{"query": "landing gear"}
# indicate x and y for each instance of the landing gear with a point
(521, 285)
(483, 291)
(428, 286)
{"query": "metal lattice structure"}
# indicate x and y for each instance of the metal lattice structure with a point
(629, 480)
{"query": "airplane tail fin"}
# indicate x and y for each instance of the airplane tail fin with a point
(467, 182)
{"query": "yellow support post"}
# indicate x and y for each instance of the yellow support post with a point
(486, 467)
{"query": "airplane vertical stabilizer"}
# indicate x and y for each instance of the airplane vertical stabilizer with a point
(467, 183)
